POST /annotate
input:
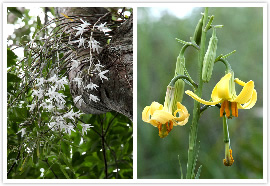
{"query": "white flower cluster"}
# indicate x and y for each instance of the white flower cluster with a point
(92, 43)
(51, 100)
(47, 93)
(93, 47)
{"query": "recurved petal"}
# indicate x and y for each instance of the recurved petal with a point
(251, 102)
(183, 112)
(194, 96)
(180, 123)
(246, 93)
(146, 114)
(182, 115)
(160, 117)
(239, 82)
(223, 87)
(180, 106)
(155, 106)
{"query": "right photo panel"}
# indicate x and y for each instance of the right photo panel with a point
(200, 92)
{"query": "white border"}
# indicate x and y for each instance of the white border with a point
(134, 6)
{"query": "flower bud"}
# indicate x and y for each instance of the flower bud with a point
(198, 32)
(209, 58)
(180, 84)
(169, 98)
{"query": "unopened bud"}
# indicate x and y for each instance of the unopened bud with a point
(209, 58)
(180, 84)
(198, 32)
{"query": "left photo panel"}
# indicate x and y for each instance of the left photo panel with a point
(69, 93)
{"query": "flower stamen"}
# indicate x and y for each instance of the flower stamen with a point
(228, 161)
(228, 106)
(234, 109)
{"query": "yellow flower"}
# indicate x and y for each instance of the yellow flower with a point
(161, 117)
(224, 93)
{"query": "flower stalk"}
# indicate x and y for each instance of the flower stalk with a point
(228, 161)
(196, 108)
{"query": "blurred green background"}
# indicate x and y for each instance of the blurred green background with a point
(157, 52)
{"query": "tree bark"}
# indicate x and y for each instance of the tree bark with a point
(116, 93)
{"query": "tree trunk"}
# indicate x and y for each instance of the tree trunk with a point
(116, 93)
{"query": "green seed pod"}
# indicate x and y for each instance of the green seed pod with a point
(209, 58)
(180, 84)
(198, 32)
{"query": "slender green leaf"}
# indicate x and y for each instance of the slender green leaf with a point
(15, 11)
(38, 23)
(62, 168)
(181, 171)
(65, 148)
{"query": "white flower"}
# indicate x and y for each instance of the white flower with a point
(32, 106)
(102, 27)
(94, 45)
(49, 107)
(68, 128)
(78, 80)
(58, 97)
(77, 98)
(40, 81)
(80, 41)
(81, 30)
(91, 86)
(38, 93)
(85, 24)
(23, 131)
(52, 125)
(77, 114)
(116, 170)
(101, 75)
(74, 64)
(61, 82)
(69, 115)
(51, 92)
(85, 127)
(94, 98)
(98, 67)
(53, 79)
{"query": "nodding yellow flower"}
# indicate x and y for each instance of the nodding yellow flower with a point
(163, 117)
(224, 93)
(160, 117)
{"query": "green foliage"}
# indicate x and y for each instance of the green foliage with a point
(15, 11)
(11, 58)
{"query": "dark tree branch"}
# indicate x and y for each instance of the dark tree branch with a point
(46, 160)
(115, 158)
(104, 151)
(17, 158)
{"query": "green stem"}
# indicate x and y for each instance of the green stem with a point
(228, 161)
(225, 130)
(173, 81)
(196, 109)
(226, 63)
